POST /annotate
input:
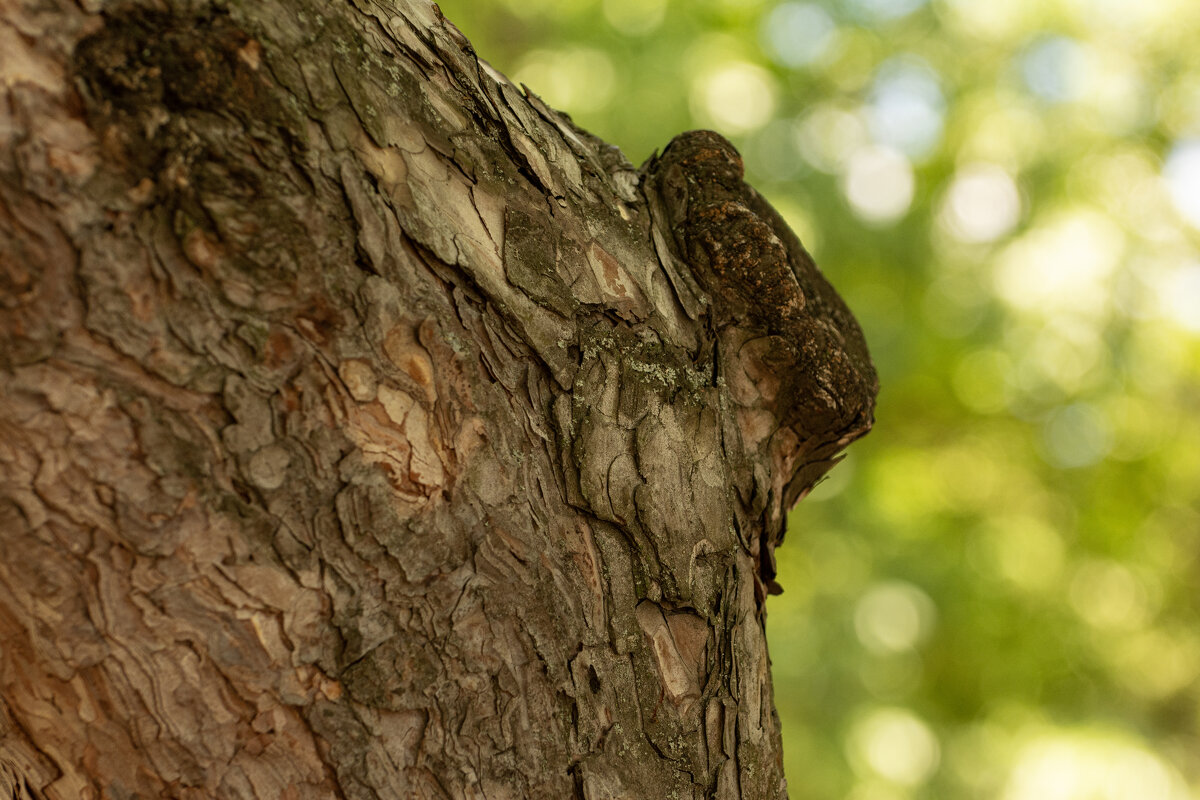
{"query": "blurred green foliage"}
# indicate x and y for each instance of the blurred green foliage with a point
(996, 595)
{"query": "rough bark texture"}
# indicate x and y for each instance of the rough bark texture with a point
(369, 431)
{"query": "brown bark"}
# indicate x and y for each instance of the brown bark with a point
(369, 431)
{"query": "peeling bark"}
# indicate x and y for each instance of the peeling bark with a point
(368, 430)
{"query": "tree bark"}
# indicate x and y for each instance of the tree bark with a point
(370, 431)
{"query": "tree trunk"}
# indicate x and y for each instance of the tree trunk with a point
(370, 431)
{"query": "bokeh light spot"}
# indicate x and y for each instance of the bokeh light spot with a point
(635, 17)
(991, 20)
(893, 617)
(1178, 105)
(1065, 352)
(1055, 69)
(1179, 296)
(530, 8)
(1007, 131)
(828, 135)
(576, 79)
(734, 5)
(1107, 595)
(907, 107)
(797, 34)
(896, 745)
(1064, 265)
(1182, 174)
(736, 97)
(982, 204)
(885, 9)
(1114, 88)
(1025, 550)
(1090, 767)
(879, 184)
(1154, 663)
(1076, 436)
